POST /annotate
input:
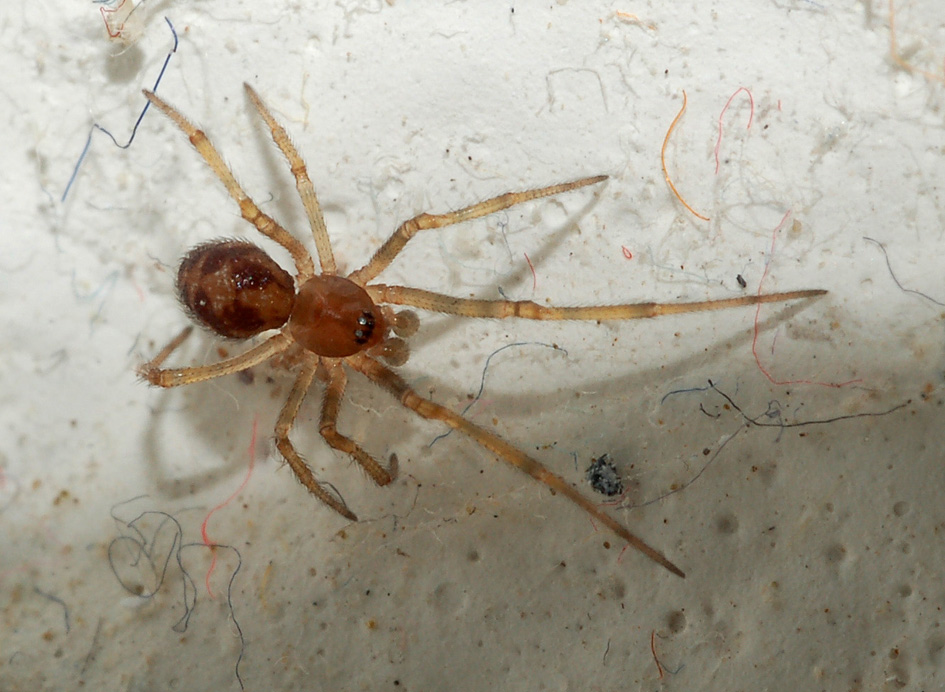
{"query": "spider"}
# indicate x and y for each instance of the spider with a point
(327, 324)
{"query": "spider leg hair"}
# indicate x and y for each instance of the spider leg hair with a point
(175, 377)
(408, 229)
(392, 382)
(264, 223)
(526, 309)
(302, 183)
(284, 425)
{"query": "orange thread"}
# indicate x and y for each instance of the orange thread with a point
(669, 182)
(633, 19)
(203, 527)
(751, 115)
(896, 58)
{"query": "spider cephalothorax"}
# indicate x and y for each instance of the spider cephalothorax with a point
(336, 322)
(335, 318)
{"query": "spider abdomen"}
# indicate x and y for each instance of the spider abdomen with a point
(334, 317)
(235, 288)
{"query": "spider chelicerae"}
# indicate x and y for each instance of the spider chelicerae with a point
(330, 324)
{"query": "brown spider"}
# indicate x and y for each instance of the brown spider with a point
(329, 321)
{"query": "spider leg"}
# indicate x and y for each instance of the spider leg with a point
(408, 229)
(175, 377)
(331, 403)
(171, 346)
(398, 387)
(284, 425)
(264, 223)
(526, 309)
(302, 183)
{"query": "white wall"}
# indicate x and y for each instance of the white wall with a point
(812, 548)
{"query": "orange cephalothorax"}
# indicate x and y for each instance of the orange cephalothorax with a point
(235, 289)
(334, 317)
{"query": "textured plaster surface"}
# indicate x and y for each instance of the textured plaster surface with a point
(810, 529)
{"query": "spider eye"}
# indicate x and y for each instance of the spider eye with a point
(235, 289)
(365, 327)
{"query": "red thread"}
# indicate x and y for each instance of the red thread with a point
(659, 667)
(107, 11)
(626, 252)
(534, 276)
(754, 339)
(751, 115)
(203, 527)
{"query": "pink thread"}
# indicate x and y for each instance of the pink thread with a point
(754, 339)
(751, 115)
(203, 527)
